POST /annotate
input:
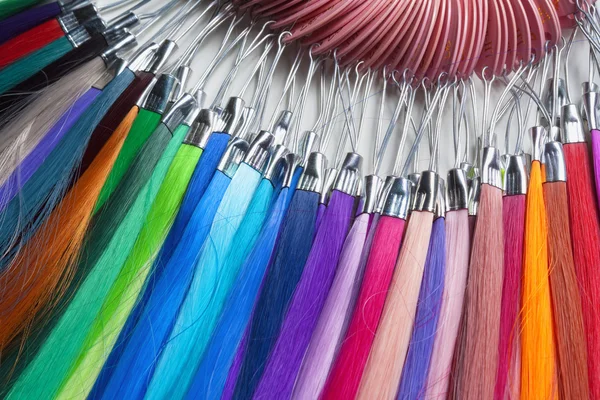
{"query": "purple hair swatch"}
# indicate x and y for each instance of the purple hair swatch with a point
(38, 155)
(416, 366)
(284, 363)
(24, 21)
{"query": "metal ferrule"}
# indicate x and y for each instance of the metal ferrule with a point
(291, 162)
(309, 140)
(276, 161)
(467, 167)
(282, 125)
(556, 167)
(527, 159)
(440, 205)
(144, 57)
(232, 157)
(359, 189)
(158, 98)
(127, 21)
(232, 114)
(245, 121)
(330, 175)
(458, 190)
(85, 13)
(474, 195)
(414, 178)
(515, 177)
(202, 128)
(383, 193)
(182, 74)
(490, 167)
(591, 105)
(571, 125)
(426, 195)
(125, 41)
(349, 174)
(67, 6)
(117, 66)
(313, 176)
(180, 112)
(587, 87)
(68, 22)
(162, 55)
(538, 140)
(258, 153)
(372, 186)
(398, 199)
(78, 36)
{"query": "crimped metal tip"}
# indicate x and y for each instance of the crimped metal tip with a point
(372, 186)
(571, 125)
(556, 166)
(350, 173)
(399, 197)
(426, 196)
(232, 114)
(591, 105)
(202, 128)
(490, 167)
(232, 157)
(538, 140)
(185, 110)
(458, 190)
(258, 153)
(313, 176)
(276, 162)
(516, 176)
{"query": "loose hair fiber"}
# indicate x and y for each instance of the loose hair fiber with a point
(285, 270)
(585, 234)
(571, 350)
(382, 372)
(457, 266)
(509, 349)
(42, 270)
(478, 362)
(347, 369)
(308, 300)
(333, 321)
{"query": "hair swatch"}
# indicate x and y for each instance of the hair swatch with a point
(571, 350)
(347, 371)
(30, 41)
(457, 267)
(478, 361)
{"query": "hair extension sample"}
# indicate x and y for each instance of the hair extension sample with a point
(39, 274)
(348, 367)
(131, 279)
(457, 267)
(538, 366)
(585, 234)
(22, 22)
(333, 321)
(244, 238)
(187, 340)
(30, 41)
(143, 127)
(510, 325)
(413, 383)
(383, 368)
(211, 374)
(27, 212)
(478, 362)
(12, 7)
(24, 68)
(308, 300)
(282, 276)
(30, 164)
(196, 189)
(571, 350)
(32, 87)
(23, 133)
(63, 346)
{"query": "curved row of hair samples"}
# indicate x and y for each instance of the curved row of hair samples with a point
(157, 245)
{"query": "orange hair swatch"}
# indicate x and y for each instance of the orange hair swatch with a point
(41, 272)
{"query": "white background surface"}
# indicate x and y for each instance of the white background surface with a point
(578, 62)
